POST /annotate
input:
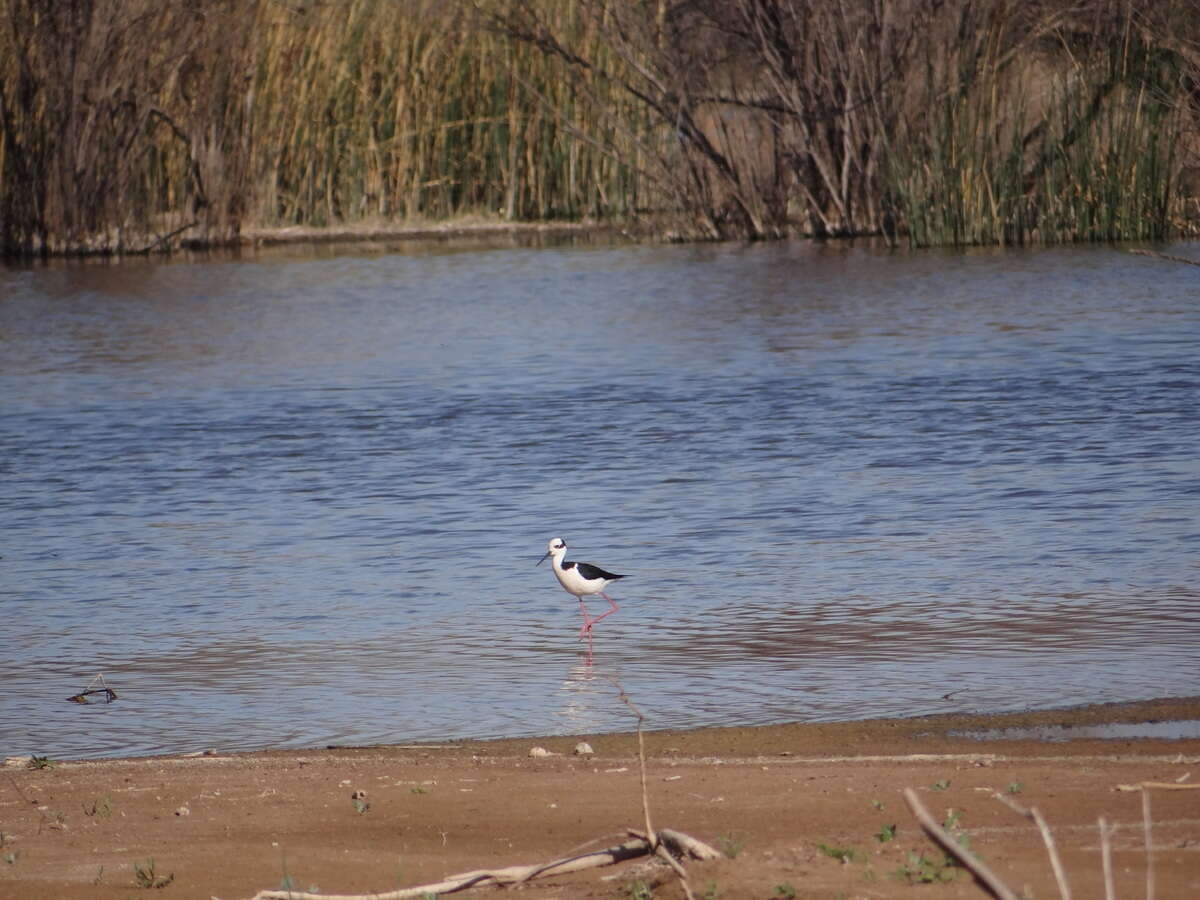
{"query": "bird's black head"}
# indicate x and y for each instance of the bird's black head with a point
(556, 545)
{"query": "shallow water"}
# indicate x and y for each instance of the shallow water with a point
(1184, 729)
(291, 501)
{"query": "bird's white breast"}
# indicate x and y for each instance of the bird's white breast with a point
(575, 583)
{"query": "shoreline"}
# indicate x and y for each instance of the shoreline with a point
(784, 737)
(476, 233)
(770, 736)
(426, 231)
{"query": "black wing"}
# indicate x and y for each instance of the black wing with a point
(588, 571)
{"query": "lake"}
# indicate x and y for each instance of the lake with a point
(297, 499)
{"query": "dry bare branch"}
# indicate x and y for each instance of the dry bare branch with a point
(1032, 813)
(1146, 823)
(982, 872)
(1110, 892)
(678, 845)
(1158, 786)
(624, 697)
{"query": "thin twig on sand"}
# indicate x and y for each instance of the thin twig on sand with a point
(1149, 845)
(1032, 813)
(983, 874)
(1110, 892)
(624, 697)
(655, 841)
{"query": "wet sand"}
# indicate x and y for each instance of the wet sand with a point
(800, 810)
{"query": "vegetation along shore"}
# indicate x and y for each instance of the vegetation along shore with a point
(136, 126)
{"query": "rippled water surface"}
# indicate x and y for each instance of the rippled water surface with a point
(292, 501)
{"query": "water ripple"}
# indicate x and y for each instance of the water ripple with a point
(297, 502)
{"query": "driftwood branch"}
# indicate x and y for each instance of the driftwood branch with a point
(676, 842)
(165, 239)
(982, 872)
(96, 686)
(684, 846)
(1158, 786)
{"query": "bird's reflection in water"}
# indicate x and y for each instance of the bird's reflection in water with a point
(590, 692)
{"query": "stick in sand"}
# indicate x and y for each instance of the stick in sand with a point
(1110, 892)
(983, 874)
(1149, 845)
(1060, 874)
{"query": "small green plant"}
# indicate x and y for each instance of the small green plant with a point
(419, 790)
(12, 856)
(731, 844)
(785, 890)
(886, 833)
(1014, 787)
(922, 869)
(41, 762)
(878, 804)
(941, 785)
(146, 875)
(711, 891)
(639, 890)
(101, 807)
(361, 806)
(951, 825)
(841, 854)
(99, 876)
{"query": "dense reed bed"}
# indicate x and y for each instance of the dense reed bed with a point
(128, 125)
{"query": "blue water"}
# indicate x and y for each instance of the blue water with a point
(296, 500)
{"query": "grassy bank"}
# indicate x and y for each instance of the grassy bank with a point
(134, 126)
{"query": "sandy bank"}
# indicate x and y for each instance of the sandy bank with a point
(802, 810)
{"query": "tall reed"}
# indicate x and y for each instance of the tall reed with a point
(221, 115)
(1041, 146)
(127, 125)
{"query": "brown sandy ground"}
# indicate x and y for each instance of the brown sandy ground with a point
(226, 826)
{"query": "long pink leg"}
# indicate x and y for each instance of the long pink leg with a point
(588, 622)
(608, 612)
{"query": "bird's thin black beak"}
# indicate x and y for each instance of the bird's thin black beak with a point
(542, 560)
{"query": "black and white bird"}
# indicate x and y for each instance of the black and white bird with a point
(580, 579)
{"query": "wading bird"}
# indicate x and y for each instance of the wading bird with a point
(580, 579)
